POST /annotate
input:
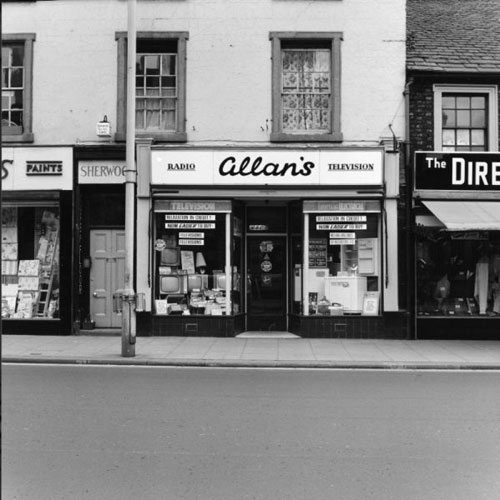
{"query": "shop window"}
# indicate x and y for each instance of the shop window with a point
(465, 118)
(458, 273)
(197, 258)
(30, 261)
(160, 86)
(343, 251)
(306, 86)
(17, 66)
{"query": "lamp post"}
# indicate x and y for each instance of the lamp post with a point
(129, 297)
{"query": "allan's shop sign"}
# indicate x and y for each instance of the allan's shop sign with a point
(457, 171)
(267, 167)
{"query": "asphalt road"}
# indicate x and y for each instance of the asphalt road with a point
(90, 432)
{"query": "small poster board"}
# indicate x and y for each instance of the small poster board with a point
(318, 249)
(371, 303)
(187, 260)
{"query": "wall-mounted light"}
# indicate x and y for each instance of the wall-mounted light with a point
(103, 128)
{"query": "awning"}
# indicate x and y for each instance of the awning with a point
(467, 215)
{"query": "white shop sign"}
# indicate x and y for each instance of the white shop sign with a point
(36, 169)
(101, 172)
(267, 167)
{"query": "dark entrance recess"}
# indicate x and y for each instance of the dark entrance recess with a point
(266, 256)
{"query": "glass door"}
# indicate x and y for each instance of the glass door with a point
(266, 282)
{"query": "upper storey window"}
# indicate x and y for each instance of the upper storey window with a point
(306, 87)
(17, 61)
(466, 118)
(160, 86)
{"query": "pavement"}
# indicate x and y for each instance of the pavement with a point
(254, 350)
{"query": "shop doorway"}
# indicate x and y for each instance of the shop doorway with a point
(107, 274)
(267, 282)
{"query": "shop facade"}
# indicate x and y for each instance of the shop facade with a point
(100, 241)
(456, 200)
(278, 239)
(37, 222)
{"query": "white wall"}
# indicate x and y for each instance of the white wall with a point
(228, 66)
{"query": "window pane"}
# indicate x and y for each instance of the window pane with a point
(152, 81)
(168, 120)
(448, 137)
(5, 78)
(139, 67)
(139, 119)
(449, 118)
(448, 102)
(168, 64)
(168, 81)
(168, 103)
(478, 118)
(153, 119)
(463, 102)
(463, 137)
(139, 82)
(322, 61)
(290, 82)
(463, 118)
(18, 55)
(477, 137)
(152, 65)
(478, 102)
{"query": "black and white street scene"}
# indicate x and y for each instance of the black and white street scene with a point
(250, 249)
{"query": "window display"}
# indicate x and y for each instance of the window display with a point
(458, 273)
(193, 249)
(343, 256)
(30, 261)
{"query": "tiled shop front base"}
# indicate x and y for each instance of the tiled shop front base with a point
(388, 326)
(197, 326)
(350, 326)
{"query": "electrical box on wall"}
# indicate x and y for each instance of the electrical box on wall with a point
(103, 128)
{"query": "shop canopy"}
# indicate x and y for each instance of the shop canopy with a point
(467, 215)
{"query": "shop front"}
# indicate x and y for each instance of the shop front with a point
(457, 245)
(269, 240)
(100, 242)
(37, 240)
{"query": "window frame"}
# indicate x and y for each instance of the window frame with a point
(26, 134)
(333, 38)
(492, 110)
(180, 134)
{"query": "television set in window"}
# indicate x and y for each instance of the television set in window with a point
(172, 283)
(220, 281)
(170, 257)
(197, 282)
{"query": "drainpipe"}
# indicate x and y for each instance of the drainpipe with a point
(128, 304)
(410, 242)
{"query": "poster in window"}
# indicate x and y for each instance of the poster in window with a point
(317, 252)
(371, 303)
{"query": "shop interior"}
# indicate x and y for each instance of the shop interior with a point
(30, 260)
(457, 272)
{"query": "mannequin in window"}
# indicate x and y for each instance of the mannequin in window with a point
(481, 285)
(442, 292)
(495, 278)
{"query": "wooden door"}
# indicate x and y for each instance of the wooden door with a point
(107, 274)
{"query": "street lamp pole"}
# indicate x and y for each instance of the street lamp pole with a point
(129, 297)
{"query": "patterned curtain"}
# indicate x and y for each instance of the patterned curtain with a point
(306, 90)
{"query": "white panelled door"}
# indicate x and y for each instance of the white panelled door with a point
(107, 274)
